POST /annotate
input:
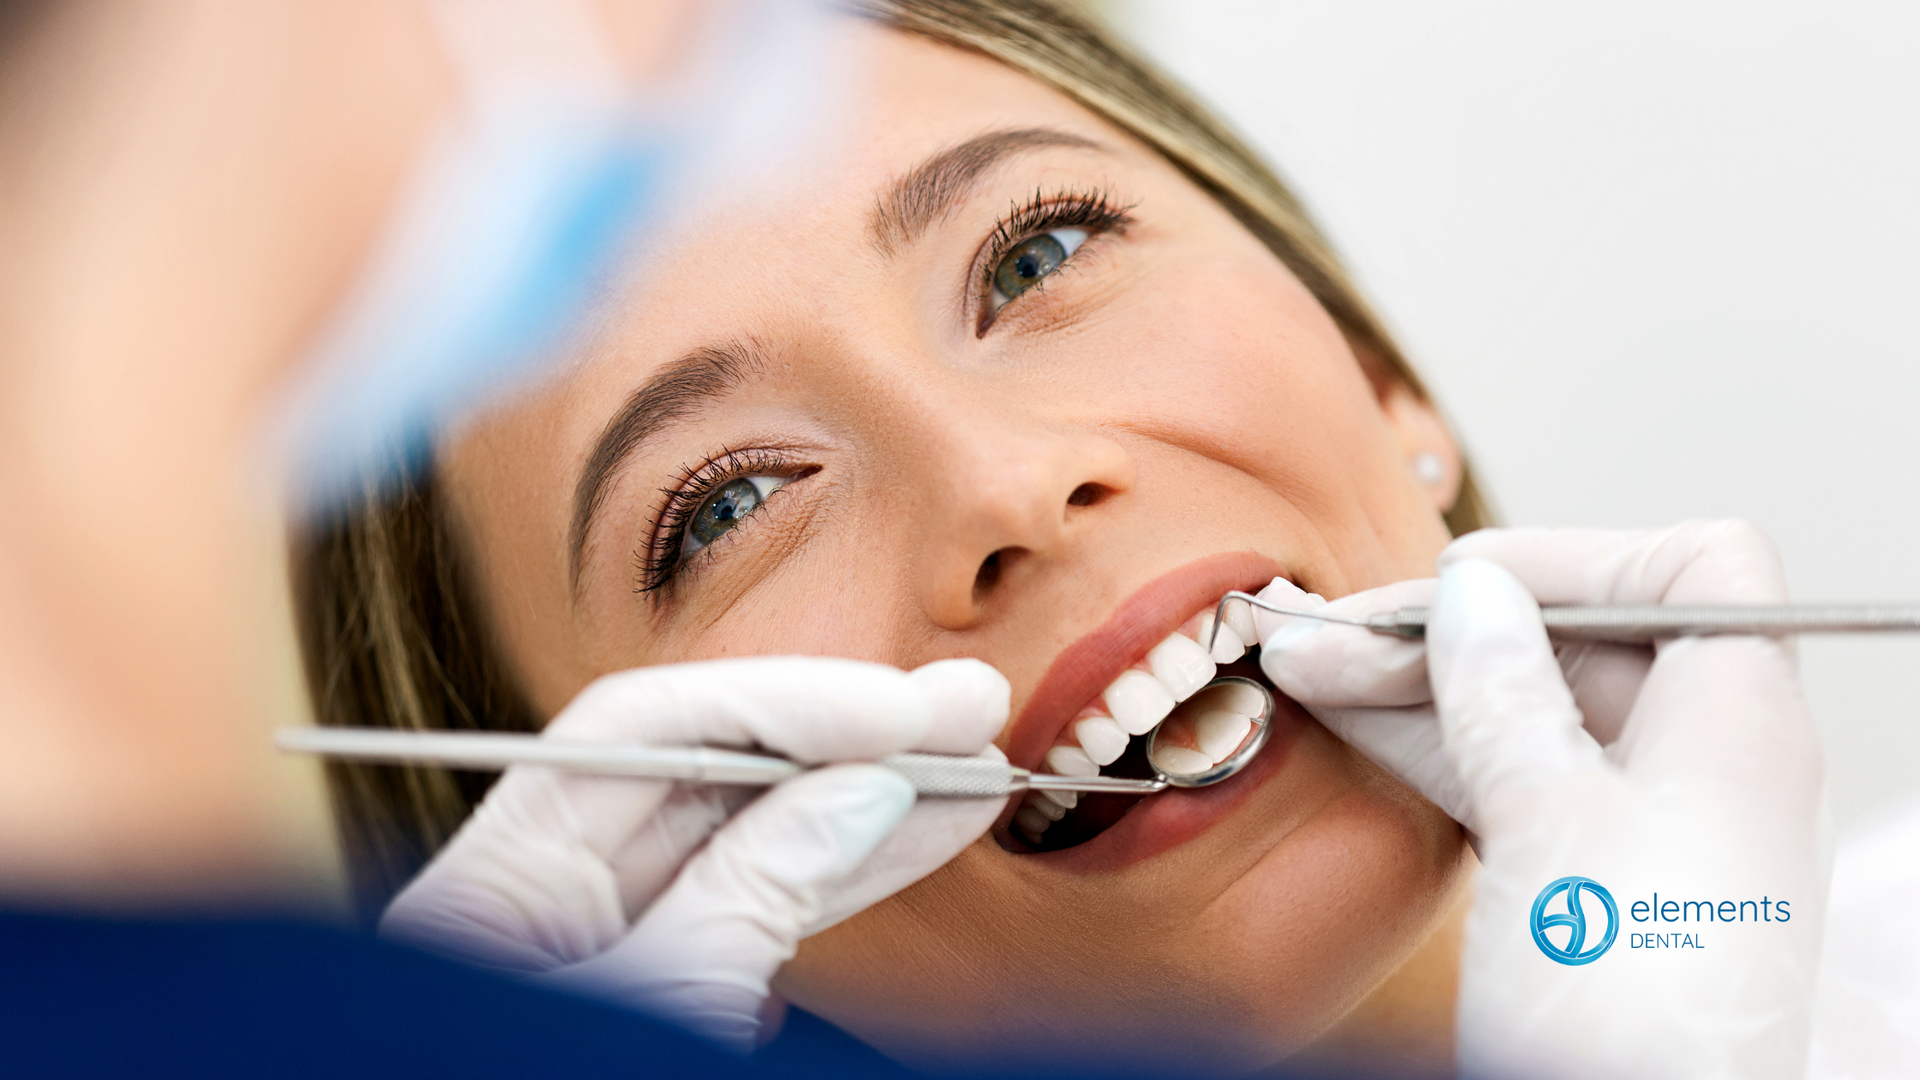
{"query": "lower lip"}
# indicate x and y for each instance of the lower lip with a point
(1161, 822)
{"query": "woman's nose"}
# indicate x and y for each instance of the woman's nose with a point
(1010, 497)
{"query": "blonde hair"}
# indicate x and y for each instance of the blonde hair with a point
(391, 629)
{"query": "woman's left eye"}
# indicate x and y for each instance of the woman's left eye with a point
(727, 507)
(1032, 259)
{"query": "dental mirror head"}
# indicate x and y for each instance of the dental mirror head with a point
(1213, 734)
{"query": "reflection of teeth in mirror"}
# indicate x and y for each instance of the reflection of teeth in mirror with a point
(1137, 701)
(1181, 665)
(1180, 761)
(1220, 733)
(1228, 645)
(1234, 697)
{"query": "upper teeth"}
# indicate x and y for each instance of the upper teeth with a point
(1132, 704)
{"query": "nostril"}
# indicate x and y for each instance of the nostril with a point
(1086, 495)
(987, 576)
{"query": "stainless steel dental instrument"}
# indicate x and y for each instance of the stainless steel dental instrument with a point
(932, 775)
(1639, 625)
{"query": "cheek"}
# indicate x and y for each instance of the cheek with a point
(810, 605)
(1238, 360)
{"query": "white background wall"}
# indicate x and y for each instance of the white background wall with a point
(1660, 260)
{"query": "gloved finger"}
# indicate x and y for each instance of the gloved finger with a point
(808, 708)
(703, 954)
(1407, 742)
(1699, 562)
(1727, 715)
(517, 887)
(970, 703)
(1605, 679)
(1508, 719)
(1323, 663)
(646, 859)
(930, 836)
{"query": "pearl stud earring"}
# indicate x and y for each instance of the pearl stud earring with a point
(1428, 469)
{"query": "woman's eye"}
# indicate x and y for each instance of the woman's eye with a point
(1032, 259)
(727, 507)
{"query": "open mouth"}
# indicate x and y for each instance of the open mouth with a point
(1108, 735)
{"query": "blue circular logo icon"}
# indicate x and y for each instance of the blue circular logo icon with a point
(1574, 950)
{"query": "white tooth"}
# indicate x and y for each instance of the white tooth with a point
(1180, 761)
(1227, 646)
(1220, 733)
(1137, 702)
(1032, 822)
(1181, 664)
(1102, 739)
(1071, 761)
(1065, 800)
(1051, 810)
(1239, 619)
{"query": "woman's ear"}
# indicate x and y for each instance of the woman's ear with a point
(1433, 458)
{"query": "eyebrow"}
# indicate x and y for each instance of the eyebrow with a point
(674, 393)
(937, 185)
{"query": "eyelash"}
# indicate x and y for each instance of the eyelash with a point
(1092, 210)
(661, 562)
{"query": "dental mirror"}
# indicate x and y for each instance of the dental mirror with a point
(1213, 734)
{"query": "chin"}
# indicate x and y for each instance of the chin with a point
(1199, 931)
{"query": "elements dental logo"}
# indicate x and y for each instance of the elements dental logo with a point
(1574, 950)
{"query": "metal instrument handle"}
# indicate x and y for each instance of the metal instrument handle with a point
(932, 775)
(1638, 625)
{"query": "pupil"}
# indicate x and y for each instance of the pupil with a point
(1029, 261)
(723, 510)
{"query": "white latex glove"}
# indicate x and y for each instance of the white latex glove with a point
(602, 885)
(1690, 770)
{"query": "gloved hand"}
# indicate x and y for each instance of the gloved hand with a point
(601, 885)
(1690, 770)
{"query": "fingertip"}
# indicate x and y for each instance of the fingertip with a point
(1285, 655)
(968, 701)
(1478, 595)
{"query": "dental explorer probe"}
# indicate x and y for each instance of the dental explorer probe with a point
(932, 775)
(1639, 625)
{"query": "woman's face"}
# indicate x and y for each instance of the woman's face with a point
(983, 376)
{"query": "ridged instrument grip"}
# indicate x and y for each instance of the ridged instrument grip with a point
(946, 776)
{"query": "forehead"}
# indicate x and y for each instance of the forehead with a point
(903, 98)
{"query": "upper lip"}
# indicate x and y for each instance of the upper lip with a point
(1141, 621)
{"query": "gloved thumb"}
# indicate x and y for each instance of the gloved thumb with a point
(702, 955)
(1507, 718)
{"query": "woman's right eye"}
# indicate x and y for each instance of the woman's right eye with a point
(726, 508)
(1030, 260)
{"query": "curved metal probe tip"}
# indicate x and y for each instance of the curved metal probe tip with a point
(1220, 611)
